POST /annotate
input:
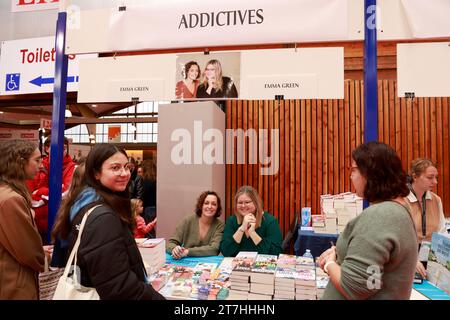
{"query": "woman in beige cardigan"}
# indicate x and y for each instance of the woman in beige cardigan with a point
(200, 233)
(21, 251)
(426, 206)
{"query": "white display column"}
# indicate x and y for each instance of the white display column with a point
(191, 159)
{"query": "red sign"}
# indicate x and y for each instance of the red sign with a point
(46, 123)
(27, 135)
(33, 5)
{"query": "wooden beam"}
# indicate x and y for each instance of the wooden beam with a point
(84, 120)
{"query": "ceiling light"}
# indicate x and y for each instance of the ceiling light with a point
(94, 105)
(68, 113)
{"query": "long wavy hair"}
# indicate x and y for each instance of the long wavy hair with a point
(382, 168)
(254, 195)
(117, 201)
(218, 73)
(148, 170)
(76, 186)
(15, 154)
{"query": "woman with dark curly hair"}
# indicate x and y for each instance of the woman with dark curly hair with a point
(375, 256)
(199, 234)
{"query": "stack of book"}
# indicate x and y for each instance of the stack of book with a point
(262, 277)
(329, 212)
(321, 282)
(337, 210)
(305, 280)
(285, 275)
(240, 275)
(153, 252)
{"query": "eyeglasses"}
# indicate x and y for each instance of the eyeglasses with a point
(246, 203)
(118, 169)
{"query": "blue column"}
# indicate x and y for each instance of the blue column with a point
(370, 72)
(58, 123)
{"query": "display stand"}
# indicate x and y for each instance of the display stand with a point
(183, 130)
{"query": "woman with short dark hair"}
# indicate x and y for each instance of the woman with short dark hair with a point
(375, 256)
(199, 234)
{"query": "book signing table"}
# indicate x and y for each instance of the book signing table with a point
(252, 276)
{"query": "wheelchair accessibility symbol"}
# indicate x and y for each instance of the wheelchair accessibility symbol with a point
(12, 82)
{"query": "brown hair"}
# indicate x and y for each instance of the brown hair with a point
(76, 186)
(148, 170)
(382, 168)
(187, 67)
(201, 200)
(117, 201)
(14, 156)
(254, 195)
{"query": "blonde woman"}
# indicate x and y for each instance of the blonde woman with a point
(21, 251)
(426, 206)
(250, 228)
(214, 84)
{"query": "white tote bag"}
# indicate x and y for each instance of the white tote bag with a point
(68, 287)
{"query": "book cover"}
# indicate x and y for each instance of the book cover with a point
(265, 263)
(244, 260)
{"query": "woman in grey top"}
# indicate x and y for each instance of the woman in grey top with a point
(375, 256)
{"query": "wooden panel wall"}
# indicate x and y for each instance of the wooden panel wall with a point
(316, 138)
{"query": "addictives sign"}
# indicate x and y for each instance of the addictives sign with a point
(33, 5)
(28, 66)
(173, 24)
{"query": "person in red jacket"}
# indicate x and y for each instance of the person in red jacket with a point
(141, 228)
(39, 186)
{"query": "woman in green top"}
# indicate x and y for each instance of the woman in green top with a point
(250, 229)
(199, 234)
(375, 256)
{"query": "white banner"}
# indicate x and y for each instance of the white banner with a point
(423, 69)
(428, 19)
(33, 5)
(173, 24)
(28, 66)
(306, 73)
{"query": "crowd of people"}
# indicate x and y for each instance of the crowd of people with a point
(383, 240)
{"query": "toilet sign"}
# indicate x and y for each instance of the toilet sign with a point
(28, 66)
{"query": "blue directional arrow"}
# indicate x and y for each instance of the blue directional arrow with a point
(39, 81)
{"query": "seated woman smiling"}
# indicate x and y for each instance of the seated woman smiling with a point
(200, 233)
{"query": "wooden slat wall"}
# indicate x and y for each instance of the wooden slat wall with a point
(317, 137)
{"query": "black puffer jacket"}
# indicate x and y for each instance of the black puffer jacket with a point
(109, 258)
